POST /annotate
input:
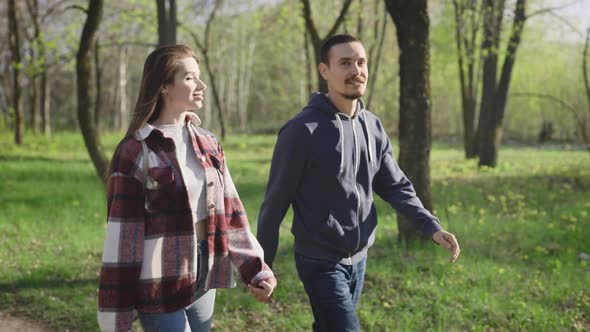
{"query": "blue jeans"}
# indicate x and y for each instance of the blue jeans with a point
(197, 317)
(334, 290)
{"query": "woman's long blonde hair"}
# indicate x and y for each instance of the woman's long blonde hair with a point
(158, 70)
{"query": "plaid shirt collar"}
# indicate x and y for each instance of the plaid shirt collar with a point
(147, 128)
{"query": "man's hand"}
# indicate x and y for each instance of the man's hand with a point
(264, 289)
(448, 241)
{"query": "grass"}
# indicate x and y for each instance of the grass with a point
(521, 225)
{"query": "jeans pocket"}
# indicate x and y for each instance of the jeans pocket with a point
(307, 267)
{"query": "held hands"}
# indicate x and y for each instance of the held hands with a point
(263, 290)
(448, 241)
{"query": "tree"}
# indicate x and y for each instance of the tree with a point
(316, 40)
(584, 122)
(415, 132)
(375, 59)
(83, 80)
(15, 49)
(467, 25)
(495, 93)
(166, 22)
(204, 50)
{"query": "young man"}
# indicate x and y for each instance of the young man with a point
(328, 161)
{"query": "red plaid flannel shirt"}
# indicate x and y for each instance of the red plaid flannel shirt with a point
(150, 254)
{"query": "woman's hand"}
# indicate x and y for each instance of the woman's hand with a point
(264, 289)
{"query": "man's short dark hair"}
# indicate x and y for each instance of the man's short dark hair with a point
(334, 40)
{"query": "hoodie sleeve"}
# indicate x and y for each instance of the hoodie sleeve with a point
(288, 162)
(392, 185)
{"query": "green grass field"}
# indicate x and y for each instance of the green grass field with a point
(521, 226)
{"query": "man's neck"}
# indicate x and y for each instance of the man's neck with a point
(343, 104)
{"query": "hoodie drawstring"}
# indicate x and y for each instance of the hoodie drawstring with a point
(364, 122)
(341, 129)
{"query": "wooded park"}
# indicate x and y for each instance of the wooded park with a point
(487, 105)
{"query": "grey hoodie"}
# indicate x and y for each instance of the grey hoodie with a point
(327, 166)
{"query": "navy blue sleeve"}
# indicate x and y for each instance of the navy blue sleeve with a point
(392, 185)
(288, 163)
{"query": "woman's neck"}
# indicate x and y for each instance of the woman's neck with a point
(170, 117)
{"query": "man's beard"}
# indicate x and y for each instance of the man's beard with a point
(353, 96)
(356, 95)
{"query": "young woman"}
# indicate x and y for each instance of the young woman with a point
(176, 226)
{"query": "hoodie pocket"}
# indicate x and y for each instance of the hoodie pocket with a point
(160, 188)
(332, 231)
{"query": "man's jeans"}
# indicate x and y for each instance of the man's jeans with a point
(333, 290)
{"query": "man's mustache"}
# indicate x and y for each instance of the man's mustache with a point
(356, 79)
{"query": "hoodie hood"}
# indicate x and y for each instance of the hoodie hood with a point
(320, 101)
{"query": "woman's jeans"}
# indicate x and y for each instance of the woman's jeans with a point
(197, 317)
(334, 290)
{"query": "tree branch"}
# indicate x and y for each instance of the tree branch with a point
(340, 18)
(193, 35)
(85, 10)
(552, 98)
(218, 4)
(313, 32)
(51, 9)
(550, 9)
(585, 67)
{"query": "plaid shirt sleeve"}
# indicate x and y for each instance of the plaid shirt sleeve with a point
(245, 252)
(123, 246)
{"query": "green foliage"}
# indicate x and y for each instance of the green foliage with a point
(521, 227)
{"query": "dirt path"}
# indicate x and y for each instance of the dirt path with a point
(12, 324)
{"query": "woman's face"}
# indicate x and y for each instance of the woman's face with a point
(186, 91)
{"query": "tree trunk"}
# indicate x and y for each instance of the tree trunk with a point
(46, 104)
(204, 48)
(123, 108)
(316, 40)
(35, 101)
(486, 148)
(511, 48)
(216, 97)
(584, 123)
(308, 67)
(466, 72)
(98, 97)
(412, 24)
(166, 22)
(15, 46)
(374, 71)
(496, 94)
(245, 79)
(84, 79)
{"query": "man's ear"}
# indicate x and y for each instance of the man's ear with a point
(323, 69)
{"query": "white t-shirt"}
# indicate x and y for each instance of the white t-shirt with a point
(192, 171)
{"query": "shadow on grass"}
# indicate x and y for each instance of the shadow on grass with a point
(40, 283)
(21, 158)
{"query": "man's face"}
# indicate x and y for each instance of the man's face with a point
(346, 71)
